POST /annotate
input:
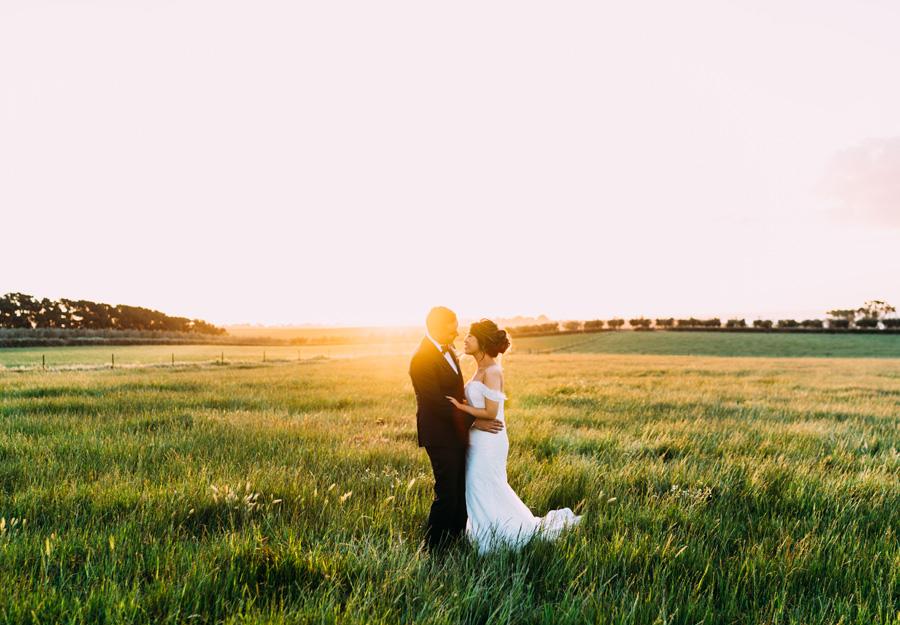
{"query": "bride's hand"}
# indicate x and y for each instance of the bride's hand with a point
(454, 401)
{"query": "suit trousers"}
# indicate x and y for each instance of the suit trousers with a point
(447, 519)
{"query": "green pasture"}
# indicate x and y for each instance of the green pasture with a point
(715, 490)
(767, 344)
(785, 345)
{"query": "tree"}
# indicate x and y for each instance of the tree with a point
(848, 314)
(572, 326)
(699, 323)
(665, 323)
(787, 323)
(735, 323)
(845, 315)
(14, 310)
(18, 310)
(639, 323)
(765, 324)
(198, 325)
(593, 324)
(876, 309)
(540, 328)
(615, 324)
(866, 316)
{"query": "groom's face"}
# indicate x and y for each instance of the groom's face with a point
(448, 332)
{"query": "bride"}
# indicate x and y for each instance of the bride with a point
(496, 514)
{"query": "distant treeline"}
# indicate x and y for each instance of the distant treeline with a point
(871, 316)
(26, 321)
(18, 310)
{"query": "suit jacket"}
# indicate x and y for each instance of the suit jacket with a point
(438, 422)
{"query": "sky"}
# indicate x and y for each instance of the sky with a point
(356, 163)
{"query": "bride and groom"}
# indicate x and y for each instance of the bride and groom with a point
(462, 428)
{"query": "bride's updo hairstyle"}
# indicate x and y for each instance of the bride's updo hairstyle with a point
(491, 339)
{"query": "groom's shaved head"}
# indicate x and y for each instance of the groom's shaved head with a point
(438, 317)
(441, 323)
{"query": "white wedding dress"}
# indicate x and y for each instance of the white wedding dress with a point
(496, 514)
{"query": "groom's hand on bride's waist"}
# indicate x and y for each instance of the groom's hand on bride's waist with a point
(488, 425)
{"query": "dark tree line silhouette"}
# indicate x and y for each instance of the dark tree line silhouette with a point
(868, 317)
(18, 310)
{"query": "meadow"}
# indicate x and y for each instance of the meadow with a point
(622, 342)
(92, 357)
(813, 344)
(715, 490)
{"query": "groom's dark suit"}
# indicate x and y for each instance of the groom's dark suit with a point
(443, 431)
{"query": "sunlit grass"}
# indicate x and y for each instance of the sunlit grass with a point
(715, 489)
(107, 356)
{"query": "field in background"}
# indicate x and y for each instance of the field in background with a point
(131, 355)
(718, 344)
(623, 342)
(380, 334)
(715, 490)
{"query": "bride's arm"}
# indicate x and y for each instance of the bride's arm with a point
(489, 411)
(492, 380)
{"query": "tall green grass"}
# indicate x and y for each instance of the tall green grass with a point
(715, 490)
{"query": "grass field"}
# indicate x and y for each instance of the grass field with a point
(716, 490)
(663, 343)
(720, 344)
(129, 355)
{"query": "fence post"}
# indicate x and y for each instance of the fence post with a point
(173, 359)
(113, 361)
(43, 362)
(264, 355)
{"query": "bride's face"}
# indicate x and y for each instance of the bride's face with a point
(470, 345)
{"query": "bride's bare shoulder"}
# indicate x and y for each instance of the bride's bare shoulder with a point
(493, 378)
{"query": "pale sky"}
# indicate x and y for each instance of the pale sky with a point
(358, 162)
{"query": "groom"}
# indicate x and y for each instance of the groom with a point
(443, 430)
